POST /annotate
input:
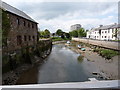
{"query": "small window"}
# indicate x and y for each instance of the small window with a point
(102, 32)
(33, 37)
(28, 24)
(105, 31)
(18, 21)
(113, 30)
(19, 40)
(25, 38)
(102, 36)
(32, 25)
(108, 31)
(24, 23)
(105, 36)
(29, 38)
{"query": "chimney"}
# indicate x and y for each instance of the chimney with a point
(101, 25)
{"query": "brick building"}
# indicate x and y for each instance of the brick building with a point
(23, 29)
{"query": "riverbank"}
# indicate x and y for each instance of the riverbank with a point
(108, 68)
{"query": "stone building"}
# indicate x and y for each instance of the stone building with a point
(23, 29)
(75, 27)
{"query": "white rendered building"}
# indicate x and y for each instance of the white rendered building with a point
(108, 32)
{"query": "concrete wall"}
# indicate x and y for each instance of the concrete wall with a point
(106, 44)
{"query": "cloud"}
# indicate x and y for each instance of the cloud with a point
(54, 15)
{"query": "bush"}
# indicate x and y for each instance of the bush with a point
(59, 39)
(108, 54)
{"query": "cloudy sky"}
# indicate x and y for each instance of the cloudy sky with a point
(54, 15)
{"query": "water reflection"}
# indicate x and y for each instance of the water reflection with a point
(63, 65)
(80, 58)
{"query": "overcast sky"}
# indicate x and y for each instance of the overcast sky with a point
(62, 14)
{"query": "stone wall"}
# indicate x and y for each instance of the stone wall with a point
(26, 55)
(22, 33)
(105, 44)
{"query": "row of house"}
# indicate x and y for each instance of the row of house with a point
(23, 29)
(107, 32)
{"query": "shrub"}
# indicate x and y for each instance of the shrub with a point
(108, 54)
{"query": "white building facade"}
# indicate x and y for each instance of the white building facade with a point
(108, 32)
(75, 27)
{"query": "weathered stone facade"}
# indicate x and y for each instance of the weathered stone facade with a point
(22, 33)
(23, 29)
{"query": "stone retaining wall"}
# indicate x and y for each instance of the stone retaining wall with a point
(105, 44)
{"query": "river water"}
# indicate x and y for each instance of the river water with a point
(62, 65)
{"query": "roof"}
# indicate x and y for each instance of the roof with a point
(16, 11)
(105, 27)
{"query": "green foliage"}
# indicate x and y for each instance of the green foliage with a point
(81, 32)
(59, 32)
(107, 54)
(59, 39)
(67, 35)
(5, 27)
(74, 33)
(78, 33)
(45, 33)
(80, 58)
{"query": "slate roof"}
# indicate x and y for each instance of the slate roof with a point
(15, 11)
(105, 27)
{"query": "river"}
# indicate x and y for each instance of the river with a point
(62, 65)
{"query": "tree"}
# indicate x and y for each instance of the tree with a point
(59, 32)
(53, 34)
(67, 35)
(45, 33)
(74, 33)
(81, 32)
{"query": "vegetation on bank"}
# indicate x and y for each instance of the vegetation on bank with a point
(25, 56)
(106, 53)
(59, 39)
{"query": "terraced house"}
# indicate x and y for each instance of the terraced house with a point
(107, 32)
(23, 29)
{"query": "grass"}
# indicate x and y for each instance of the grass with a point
(106, 53)
(58, 39)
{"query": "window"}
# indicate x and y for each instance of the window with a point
(19, 40)
(25, 38)
(105, 36)
(33, 37)
(105, 31)
(108, 31)
(24, 23)
(18, 21)
(32, 25)
(102, 32)
(102, 36)
(28, 24)
(113, 30)
(29, 38)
